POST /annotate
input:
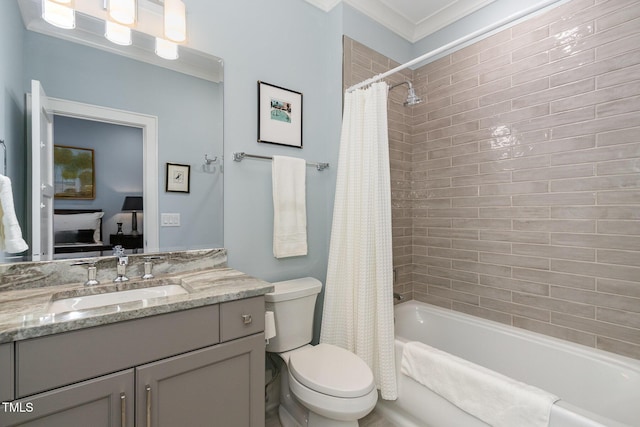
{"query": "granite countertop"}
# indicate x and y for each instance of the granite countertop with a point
(24, 313)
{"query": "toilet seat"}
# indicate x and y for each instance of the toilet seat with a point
(332, 371)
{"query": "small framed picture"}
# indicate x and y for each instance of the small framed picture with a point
(279, 115)
(178, 177)
(74, 173)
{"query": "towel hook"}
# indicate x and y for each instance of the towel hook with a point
(4, 156)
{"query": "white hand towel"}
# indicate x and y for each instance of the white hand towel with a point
(289, 207)
(10, 234)
(494, 398)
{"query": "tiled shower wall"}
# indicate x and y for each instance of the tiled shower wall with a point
(516, 185)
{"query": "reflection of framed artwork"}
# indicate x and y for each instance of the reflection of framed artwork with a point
(178, 178)
(73, 173)
(279, 115)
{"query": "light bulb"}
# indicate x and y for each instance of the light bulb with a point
(58, 15)
(118, 34)
(175, 21)
(123, 11)
(166, 49)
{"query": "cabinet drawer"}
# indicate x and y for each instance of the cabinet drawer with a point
(6, 372)
(56, 360)
(241, 318)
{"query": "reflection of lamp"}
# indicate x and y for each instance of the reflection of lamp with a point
(133, 203)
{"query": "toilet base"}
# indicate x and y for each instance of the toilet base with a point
(312, 419)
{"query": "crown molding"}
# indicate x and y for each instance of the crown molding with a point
(325, 5)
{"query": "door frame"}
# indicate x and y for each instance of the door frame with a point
(149, 126)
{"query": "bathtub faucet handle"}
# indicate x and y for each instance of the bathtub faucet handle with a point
(397, 296)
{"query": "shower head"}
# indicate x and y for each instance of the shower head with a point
(412, 98)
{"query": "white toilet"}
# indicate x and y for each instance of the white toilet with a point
(321, 385)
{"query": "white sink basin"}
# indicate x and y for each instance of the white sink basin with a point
(92, 301)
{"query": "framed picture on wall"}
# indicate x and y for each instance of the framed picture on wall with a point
(178, 178)
(279, 115)
(73, 173)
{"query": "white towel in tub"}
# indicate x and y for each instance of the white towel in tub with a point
(496, 399)
(289, 207)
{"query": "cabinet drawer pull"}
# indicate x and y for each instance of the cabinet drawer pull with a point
(148, 406)
(246, 319)
(123, 410)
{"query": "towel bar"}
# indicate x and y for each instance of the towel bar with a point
(239, 156)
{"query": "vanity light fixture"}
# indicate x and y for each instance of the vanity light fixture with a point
(123, 11)
(166, 49)
(118, 34)
(175, 21)
(58, 14)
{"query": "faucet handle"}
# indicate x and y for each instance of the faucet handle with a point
(92, 272)
(118, 251)
(148, 266)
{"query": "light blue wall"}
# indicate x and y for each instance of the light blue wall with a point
(188, 122)
(117, 154)
(12, 102)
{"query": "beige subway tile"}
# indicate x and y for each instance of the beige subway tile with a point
(549, 199)
(597, 270)
(543, 45)
(482, 112)
(515, 309)
(432, 125)
(552, 304)
(480, 90)
(486, 43)
(453, 254)
(515, 164)
(518, 212)
(575, 39)
(476, 267)
(618, 77)
(619, 167)
(619, 287)
(485, 156)
(482, 312)
(617, 47)
(515, 236)
(497, 91)
(515, 284)
(596, 298)
(555, 146)
(596, 68)
(514, 67)
(470, 169)
(481, 201)
(457, 275)
(619, 347)
(452, 109)
(429, 165)
(611, 256)
(568, 334)
(431, 67)
(452, 192)
(573, 62)
(557, 172)
(559, 13)
(620, 106)
(456, 150)
(599, 183)
(597, 212)
(558, 122)
(516, 43)
(593, 97)
(599, 328)
(454, 213)
(489, 63)
(486, 246)
(431, 241)
(555, 278)
(453, 68)
(453, 130)
(434, 281)
(481, 179)
(480, 135)
(432, 222)
(515, 260)
(569, 96)
(628, 197)
(481, 291)
(624, 12)
(560, 252)
(453, 233)
(517, 117)
(432, 299)
(619, 317)
(486, 223)
(426, 260)
(596, 241)
(598, 154)
(514, 188)
(454, 295)
(552, 225)
(619, 227)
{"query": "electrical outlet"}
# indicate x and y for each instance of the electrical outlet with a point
(170, 220)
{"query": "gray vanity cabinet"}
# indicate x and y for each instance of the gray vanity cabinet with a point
(6, 372)
(214, 386)
(172, 369)
(107, 401)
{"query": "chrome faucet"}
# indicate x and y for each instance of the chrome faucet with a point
(92, 272)
(148, 266)
(121, 267)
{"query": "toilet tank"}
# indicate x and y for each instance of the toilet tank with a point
(293, 303)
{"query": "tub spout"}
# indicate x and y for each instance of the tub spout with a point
(397, 296)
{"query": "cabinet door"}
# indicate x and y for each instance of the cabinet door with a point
(222, 385)
(6, 373)
(102, 402)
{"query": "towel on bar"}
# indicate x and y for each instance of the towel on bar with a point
(289, 207)
(494, 398)
(10, 234)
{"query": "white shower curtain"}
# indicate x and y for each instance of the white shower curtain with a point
(358, 300)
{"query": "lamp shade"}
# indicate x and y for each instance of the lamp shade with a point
(132, 203)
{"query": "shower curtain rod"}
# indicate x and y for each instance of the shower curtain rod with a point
(455, 43)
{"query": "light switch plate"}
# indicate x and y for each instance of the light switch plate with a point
(170, 220)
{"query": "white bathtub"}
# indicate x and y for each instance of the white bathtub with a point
(596, 388)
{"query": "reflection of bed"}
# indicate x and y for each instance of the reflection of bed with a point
(78, 230)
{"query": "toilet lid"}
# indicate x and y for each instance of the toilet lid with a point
(331, 370)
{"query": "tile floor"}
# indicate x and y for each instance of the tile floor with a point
(374, 419)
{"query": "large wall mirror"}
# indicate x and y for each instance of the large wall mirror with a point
(121, 118)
